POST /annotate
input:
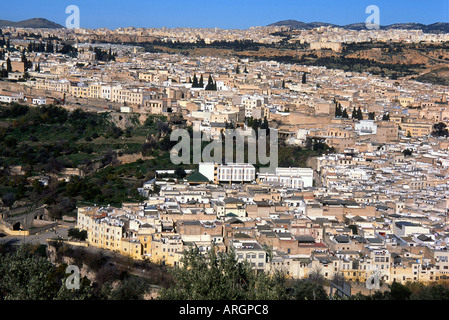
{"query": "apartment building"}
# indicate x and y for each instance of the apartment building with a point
(155, 106)
(166, 249)
(252, 102)
(295, 178)
(417, 129)
(228, 173)
(250, 251)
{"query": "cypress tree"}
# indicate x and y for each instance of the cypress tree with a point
(201, 82)
(24, 60)
(8, 65)
(210, 83)
(338, 111)
(359, 114)
(195, 81)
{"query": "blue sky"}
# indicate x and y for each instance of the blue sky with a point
(239, 14)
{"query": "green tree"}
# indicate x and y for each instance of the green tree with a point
(195, 81)
(130, 288)
(26, 275)
(354, 113)
(304, 78)
(353, 228)
(359, 115)
(75, 233)
(399, 291)
(305, 289)
(338, 110)
(8, 65)
(210, 84)
(180, 173)
(407, 152)
(219, 276)
(440, 130)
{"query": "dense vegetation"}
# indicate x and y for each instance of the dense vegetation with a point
(219, 276)
(48, 139)
(279, 52)
(27, 274)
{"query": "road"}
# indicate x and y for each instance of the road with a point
(40, 238)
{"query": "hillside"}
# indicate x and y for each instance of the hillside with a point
(31, 23)
(438, 27)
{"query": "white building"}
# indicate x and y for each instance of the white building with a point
(364, 127)
(405, 228)
(289, 177)
(231, 172)
(251, 251)
(126, 109)
(106, 92)
(236, 172)
(252, 102)
(9, 98)
(207, 169)
(39, 101)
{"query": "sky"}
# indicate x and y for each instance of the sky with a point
(224, 14)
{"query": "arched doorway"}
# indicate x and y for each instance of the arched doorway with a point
(16, 226)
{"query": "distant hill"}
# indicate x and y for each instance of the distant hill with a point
(300, 25)
(438, 27)
(31, 23)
